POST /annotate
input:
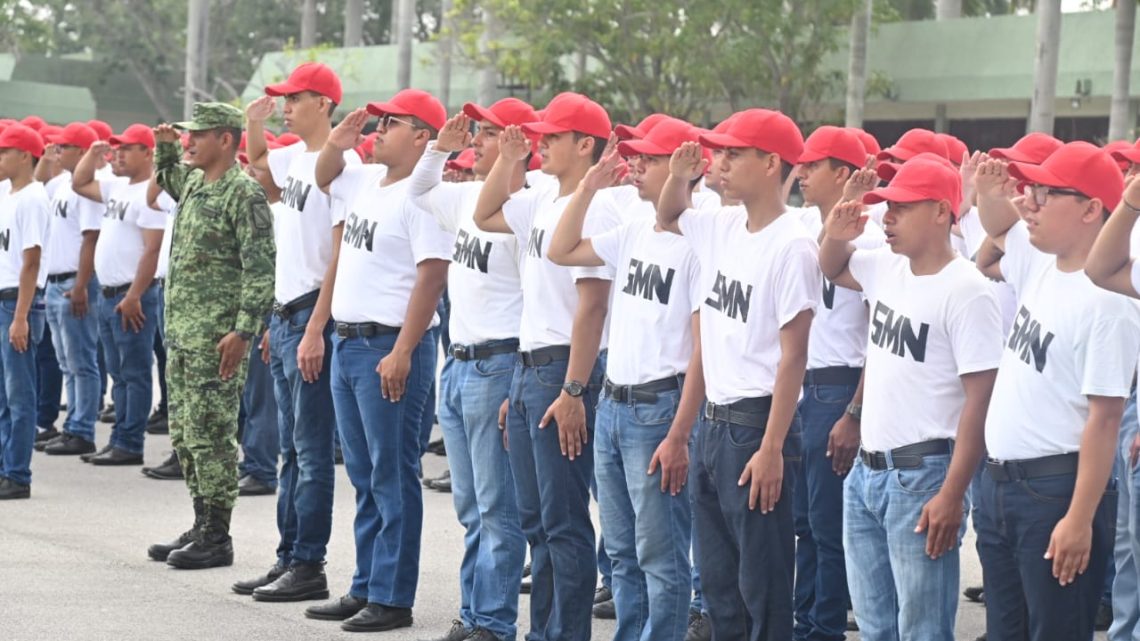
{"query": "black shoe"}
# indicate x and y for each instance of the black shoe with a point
(338, 458)
(524, 587)
(10, 490)
(699, 627)
(40, 446)
(481, 634)
(161, 551)
(343, 608)
(603, 594)
(605, 610)
(981, 638)
(247, 587)
(302, 582)
(115, 456)
(86, 458)
(975, 593)
(249, 486)
(1103, 620)
(441, 483)
(169, 470)
(437, 448)
(45, 436)
(108, 414)
(458, 632)
(378, 618)
(157, 423)
(211, 548)
(69, 445)
(852, 625)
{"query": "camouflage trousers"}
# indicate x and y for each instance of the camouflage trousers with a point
(204, 422)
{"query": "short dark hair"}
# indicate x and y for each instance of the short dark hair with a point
(599, 144)
(332, 103)
(838, 164)
(420, 124)
(786, 169)
(232, 131)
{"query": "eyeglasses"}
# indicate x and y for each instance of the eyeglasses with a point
(388, 119)
(1041, 193)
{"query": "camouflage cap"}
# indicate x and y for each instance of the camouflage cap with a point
(212, 115)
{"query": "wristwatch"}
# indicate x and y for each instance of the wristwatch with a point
(574, 389)
(854, 411)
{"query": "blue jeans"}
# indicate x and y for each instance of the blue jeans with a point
(308, 428)
(76, 342)
(1023, 600)
(18, 394)
(747, 558)
(821, 574)
(898, 592)
(260, 442)
(130, 356)
(1126, 585)
(49, 381)
(427, 420)
(381, 455)
(483, 490)
(554, 505)
(647, 531)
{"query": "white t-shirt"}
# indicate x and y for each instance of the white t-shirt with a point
(550, 298)
(25, 222)
(706, 199)
(125, 217)
(167, 205)
(483, 280)
(72, 215)
(756, 283)
(839, 329)
(926, 332)
(62, 178)
(385, 238)
(1071, 340)
(654, 297)
(303, 228)
(973, 234)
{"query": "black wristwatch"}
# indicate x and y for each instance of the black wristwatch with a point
(574, 388)
(854, 411)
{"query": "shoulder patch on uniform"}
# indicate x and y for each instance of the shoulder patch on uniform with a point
(260, 217)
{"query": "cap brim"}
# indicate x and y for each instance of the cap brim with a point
(628, 132)
(1035, 174)
(543, 128)
(282, 89)
(383, 108)
(886, 170)
(642, 147)
(479, 114)
(811, 155)
(722, 141)
(1127, 155)
(1010, 154)
(894, 195)
(891, 153)
(190, 125)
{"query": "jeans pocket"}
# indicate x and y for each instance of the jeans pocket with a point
(551, 374)
(741, 437)
(1050, 489)
(924, 480)
(832, 394)
(497, 365)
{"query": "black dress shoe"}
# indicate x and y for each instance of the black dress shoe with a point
(116, 456)
(69, 445)
(338, 458)
(86, 458)
(248, 586)
(525, 585)
(343, 608)
(437, 448)
(602, 594)
(249, 486)
(605, 610)
(161, 551)
(40, 446)
(302, 582)
(458, 632)
(10, 490)
(975, 593)
(169, 470)
(108, 414)
(378, 618)
(700, 629)
(1103, 620)
(157, 423)
(43, 437)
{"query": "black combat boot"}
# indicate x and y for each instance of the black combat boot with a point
(212, 548)
(160, 551)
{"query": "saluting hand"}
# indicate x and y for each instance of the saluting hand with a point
(165, 133)
(846, 221)
(862, 181)
(991, 178)
(688, 161)
(261, 109)
(608, 172)
(455, 135)
(345, 135)
(514, 146)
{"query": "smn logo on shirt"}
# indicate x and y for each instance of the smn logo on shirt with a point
(116, 209)
(534, 247)
(730, 297)
(295, 193)
(828, 294)
(470, 252)
(1025, 340)
(359, 231)
(61, 208)
(895, 334)
(645, 280)
(4, 237)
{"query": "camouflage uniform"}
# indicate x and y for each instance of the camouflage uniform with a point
(220, 280)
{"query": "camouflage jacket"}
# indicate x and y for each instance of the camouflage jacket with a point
(221, 254)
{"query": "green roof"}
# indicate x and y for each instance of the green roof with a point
(53, 103)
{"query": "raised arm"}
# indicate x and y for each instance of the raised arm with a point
(685, 166)
(330, 163)
(995, 210)
(169, 172)
(1109, 264)
(513, 149)
(83, 178)
(256, 113)
(844, 224)
(988, 260)
(567, 247)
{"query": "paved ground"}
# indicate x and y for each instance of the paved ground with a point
(73, 563)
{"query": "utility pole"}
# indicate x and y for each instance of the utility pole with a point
(197, 54)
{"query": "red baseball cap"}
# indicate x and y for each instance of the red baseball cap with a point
(287, 139)
(887, 169)
(1123, 152)
(413, 102)
(869, 142)
(1033, 149)
(572, 112)
(76, 134)
(136, 134)
(921, 178)
(626, 132)
(834, 142)
(22, 137)
(316, 77)
(33, 122)
(663, 138)
(914, 142)
(364, 149)
(464, 161)
(102, 129)
(763, 129)
(508, 111)
(1080, 166)
(955, 148)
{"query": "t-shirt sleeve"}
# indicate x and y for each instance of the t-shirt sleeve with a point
(429, 239)
(1136, 274)
(33, 218)
(697, 227)
(343, 190)
(446, 202)
(90, 213)
(798, 281)
(150, 218)
(165, 202)
(1106, 355)
(1019, 255)
(695, 282)
(519, 212)
(975, 329)
(601, 217)
(106, 188)
(607, 245)
(864, 268)
(279, 161)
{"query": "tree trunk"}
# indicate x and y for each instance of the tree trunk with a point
(1042, 109)
(197, 54)
(857, 65)
(353, 19)
(404, 64)
(948, 9)
(489, 72)
(446, 44)
(1118, 117)
(308, 24)
(394, 26)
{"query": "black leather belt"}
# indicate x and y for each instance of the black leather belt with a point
(748, 412)
(483, 350)
(364, 330)
(111, 292)
(906, 457)
(13, 293)
(1056, 465)
(545, 355)
(833, 376)
(285, 311)
(59, 278)
(641, 393)
(161, 282)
